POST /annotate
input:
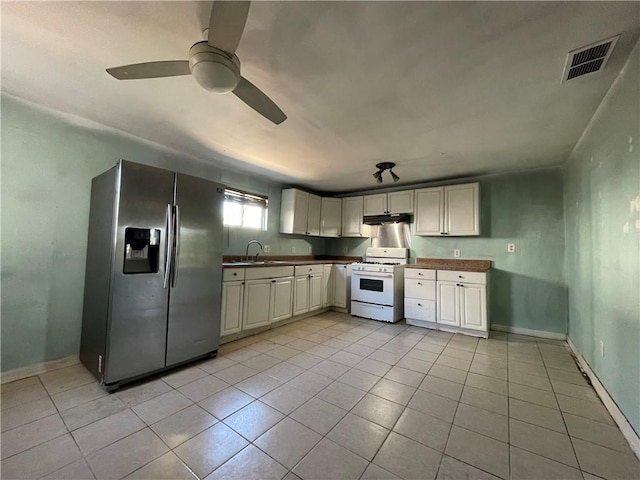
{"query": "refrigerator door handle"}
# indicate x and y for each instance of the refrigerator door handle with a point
(177, 251)
(169, 245)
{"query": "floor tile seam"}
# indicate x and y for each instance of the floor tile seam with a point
(548, 457)
(629, 452)
(91, 379)
(609, 424)
(37, 420)
(39, 444)
(148, 425)
(508, 411)
(347, 448)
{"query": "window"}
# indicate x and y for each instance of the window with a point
(243, 209)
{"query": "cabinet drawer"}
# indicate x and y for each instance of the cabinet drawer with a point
(232, 274)
(308, 269)
(463, 277)
(424, 273)
(420, 309)
(267, 272)
(420, 289)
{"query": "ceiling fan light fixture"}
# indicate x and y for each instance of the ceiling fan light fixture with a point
(213, 70)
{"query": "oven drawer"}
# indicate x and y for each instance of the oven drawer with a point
(462, 277)
(422, 273)
(420, 309)
(422, 289)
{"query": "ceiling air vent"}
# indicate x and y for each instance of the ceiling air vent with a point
(589, 59)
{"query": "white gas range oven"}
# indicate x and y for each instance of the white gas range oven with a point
(377, 284)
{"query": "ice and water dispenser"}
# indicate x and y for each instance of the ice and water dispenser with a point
(141, 250)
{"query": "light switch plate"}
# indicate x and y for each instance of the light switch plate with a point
(456, 253)
(511, 247)
(267, 248)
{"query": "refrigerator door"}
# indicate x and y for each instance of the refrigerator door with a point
(137, 328)
(196, 281)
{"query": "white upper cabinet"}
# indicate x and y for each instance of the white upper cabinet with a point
(313, 215)
(352, 213)
(392, 202)
(400, 202)
(293, 211)
(452, 210)
(462, 209)
(299, 212)
(375, 204)
(330, 217)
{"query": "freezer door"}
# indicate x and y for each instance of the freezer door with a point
(196, 283)
(136, 335)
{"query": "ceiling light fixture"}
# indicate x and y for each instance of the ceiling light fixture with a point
(381, 168)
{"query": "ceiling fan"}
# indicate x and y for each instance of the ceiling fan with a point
(213, 62)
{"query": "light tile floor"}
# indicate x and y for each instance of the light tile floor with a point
(331, 396)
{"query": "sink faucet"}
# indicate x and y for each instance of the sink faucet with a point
(246, 253)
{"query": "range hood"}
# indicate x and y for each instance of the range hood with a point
(388, 218)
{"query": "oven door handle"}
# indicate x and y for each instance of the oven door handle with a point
(372, 274)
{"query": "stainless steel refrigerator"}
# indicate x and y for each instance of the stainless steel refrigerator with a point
(153, 275)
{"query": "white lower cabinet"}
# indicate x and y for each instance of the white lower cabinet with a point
(257, 297)
(420, 297)
(462, 301)
(448, 300)
(307, 290)
(232, 299)
(281, 306)
(268, 296)
(327, 285)
(342, 286)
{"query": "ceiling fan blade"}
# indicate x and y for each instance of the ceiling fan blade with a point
(252, 96)
(136, 71)
(226, 24)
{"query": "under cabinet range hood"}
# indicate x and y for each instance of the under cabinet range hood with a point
(387, 218)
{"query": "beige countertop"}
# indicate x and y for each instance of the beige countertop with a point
(452, 264)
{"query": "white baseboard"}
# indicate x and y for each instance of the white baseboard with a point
(528, 331)
(38, 368)
(625, 427)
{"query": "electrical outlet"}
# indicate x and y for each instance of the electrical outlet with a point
(345, 250)
(511, 247)
(310, 249)
(601, 347)
(293, 249)
(456, 253)
(267, 248)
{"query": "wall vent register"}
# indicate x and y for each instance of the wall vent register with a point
(589, 59)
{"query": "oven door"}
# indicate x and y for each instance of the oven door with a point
(372, 287)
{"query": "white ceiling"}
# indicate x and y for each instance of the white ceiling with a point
(444, 89)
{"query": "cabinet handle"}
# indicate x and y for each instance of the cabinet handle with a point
(235, 274)
(419, 283)
(419, 273)
(273, 281)
(419, 304)
(460, 276)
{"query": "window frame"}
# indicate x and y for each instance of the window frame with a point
(244, 198)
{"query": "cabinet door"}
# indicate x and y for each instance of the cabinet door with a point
(429, 211)
(340, 285)
(315, 291)
(257, 295)
(281, 298)
(400, 202)
(313, 215)
(300, 211)
(473, 307)
(462, 210)
(327, 285)
(352, 211)
(232, 293)
(301, 295)
(448, 304)
(330, 217)
(375, 204)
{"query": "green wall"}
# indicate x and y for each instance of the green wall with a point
(48, 161)
(527, 288)
(602, 205)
